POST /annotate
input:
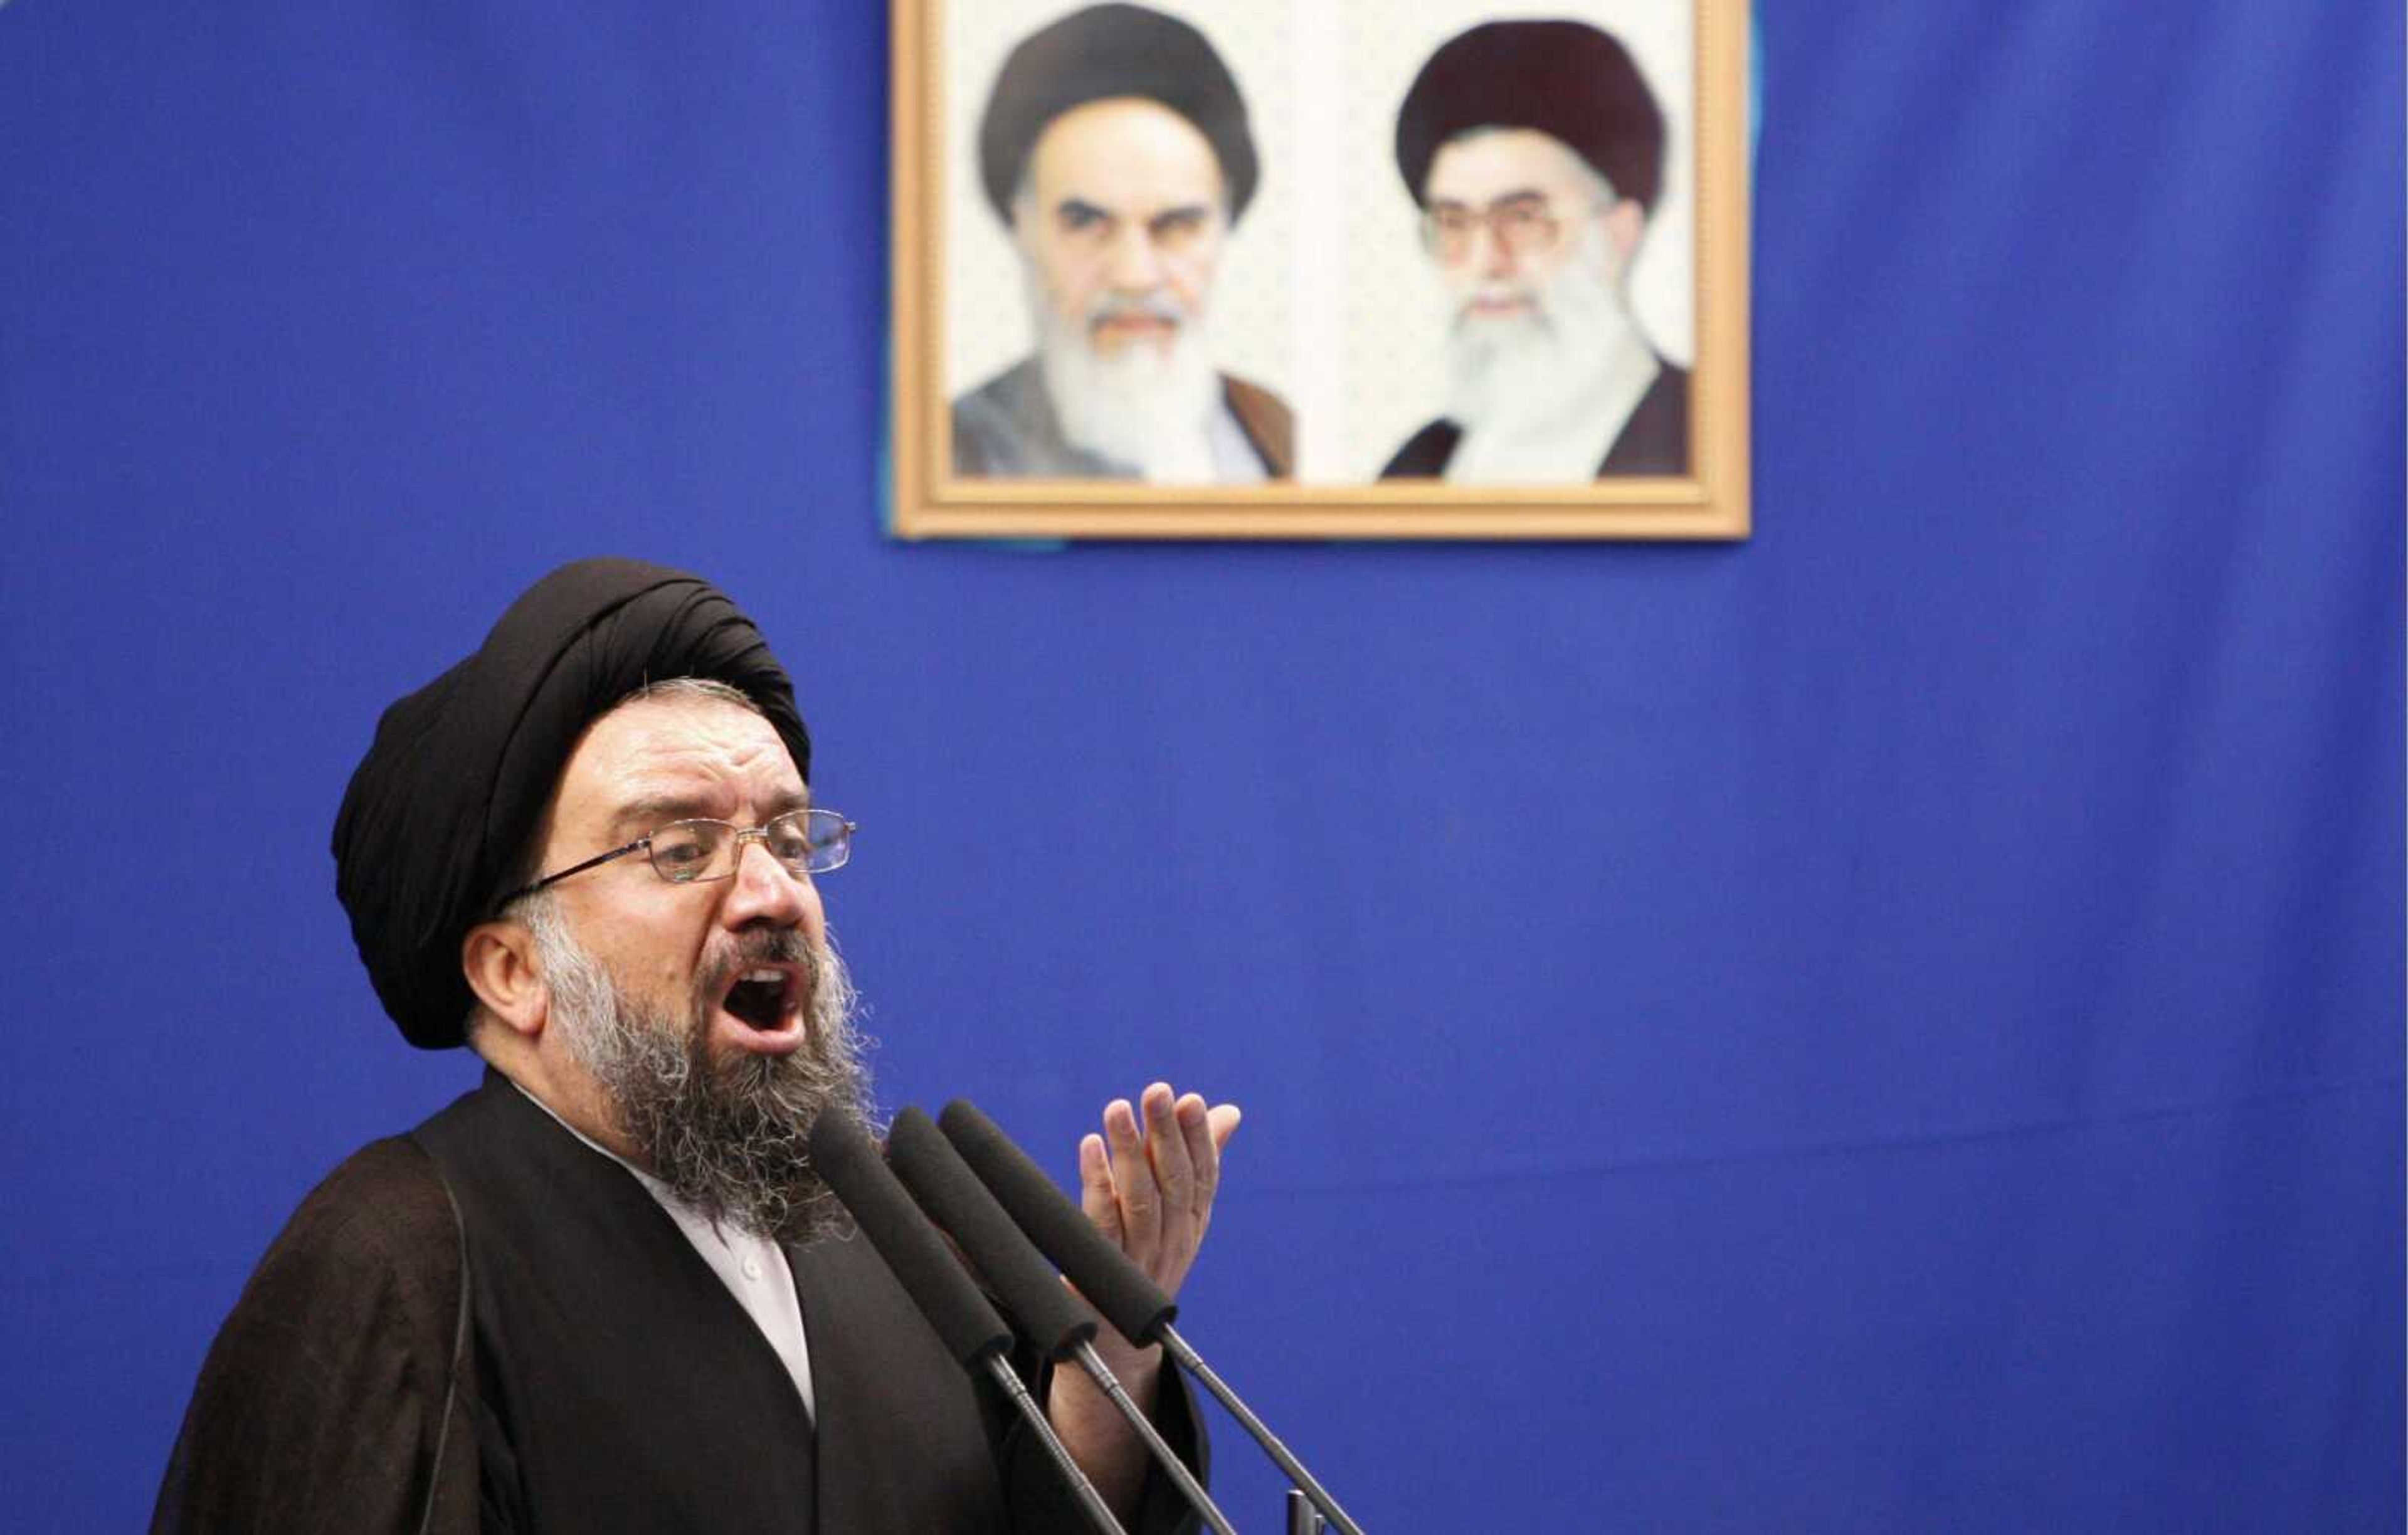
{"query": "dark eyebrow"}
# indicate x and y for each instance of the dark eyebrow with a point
(1198, 212)
(642, 817)
(1079, 207)
(787, 803)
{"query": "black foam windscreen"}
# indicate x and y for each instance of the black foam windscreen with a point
(1117, 1287)
(925, 1267)
(1049, 1315)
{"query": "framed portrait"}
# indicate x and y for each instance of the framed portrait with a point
(1319, 269)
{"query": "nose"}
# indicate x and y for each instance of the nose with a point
(1132, 266)
(1495, 260)
(764, 893)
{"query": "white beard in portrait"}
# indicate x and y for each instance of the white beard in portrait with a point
(1142, 404)
(1522, 372)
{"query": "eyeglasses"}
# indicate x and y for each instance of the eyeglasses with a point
(1524, 224)
(693, 852)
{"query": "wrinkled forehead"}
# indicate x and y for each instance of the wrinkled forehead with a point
(1480, 166)
(654, 759)
(1125, 154)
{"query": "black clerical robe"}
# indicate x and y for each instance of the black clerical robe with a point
(604, 1377)
(1654, 440)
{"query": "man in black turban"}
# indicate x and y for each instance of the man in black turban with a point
(519, 1314)
(1115, 150)
(1536, 152)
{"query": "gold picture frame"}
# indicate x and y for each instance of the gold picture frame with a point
(1319, 289)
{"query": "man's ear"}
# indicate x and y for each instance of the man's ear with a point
(1626, 223)
(498, 958)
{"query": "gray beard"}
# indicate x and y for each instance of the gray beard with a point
(1527, 372)
(728, 1137)
(1144, 409)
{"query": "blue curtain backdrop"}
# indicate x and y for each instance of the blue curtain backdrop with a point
(1894, 1026)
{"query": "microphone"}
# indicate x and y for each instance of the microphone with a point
(1135, 1305)
(1048, 1316)
(954, 1198)
(924, 1267)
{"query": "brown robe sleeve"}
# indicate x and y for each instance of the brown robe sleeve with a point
(1267, 422)
(323, 1403)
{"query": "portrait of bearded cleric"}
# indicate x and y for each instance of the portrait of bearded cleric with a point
(1116, 151)
(1350, 269)
(1535, 152)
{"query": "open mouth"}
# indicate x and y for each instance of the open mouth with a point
(762, 999)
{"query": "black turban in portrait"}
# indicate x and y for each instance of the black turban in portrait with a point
(1100, 54)
(440, 813)
(1564, 79)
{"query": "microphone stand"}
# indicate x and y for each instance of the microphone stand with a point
(1017, 1389)
(1194, 1364)
(1093, 1363)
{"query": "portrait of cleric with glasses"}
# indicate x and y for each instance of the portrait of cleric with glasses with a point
(1535, 150)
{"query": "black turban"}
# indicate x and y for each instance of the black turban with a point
(440, 811)
(1564, 79)
(1099, 53)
